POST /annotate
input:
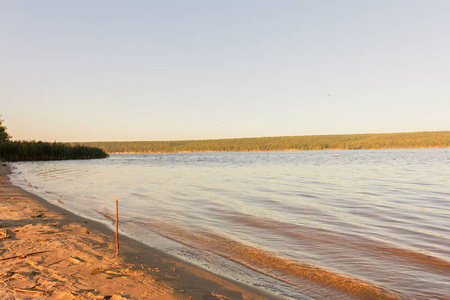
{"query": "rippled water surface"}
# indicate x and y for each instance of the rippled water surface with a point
(301, 224)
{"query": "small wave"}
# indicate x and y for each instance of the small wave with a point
(318, 282)
(354, 243)
(106, 215)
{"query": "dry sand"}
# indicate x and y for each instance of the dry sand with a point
(47, 252)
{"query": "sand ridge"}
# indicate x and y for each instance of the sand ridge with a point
(49, 253)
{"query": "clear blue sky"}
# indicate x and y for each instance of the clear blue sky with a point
(168, 70)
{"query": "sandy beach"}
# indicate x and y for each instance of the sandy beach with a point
(47, 252)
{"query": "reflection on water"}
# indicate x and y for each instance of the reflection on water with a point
(340, 224)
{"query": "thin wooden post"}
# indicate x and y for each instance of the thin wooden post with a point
(117, 226)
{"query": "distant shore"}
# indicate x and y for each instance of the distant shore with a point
(410, 140)
(48, 252)
(328, 149)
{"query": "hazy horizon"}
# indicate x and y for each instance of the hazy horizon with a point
(174, 70)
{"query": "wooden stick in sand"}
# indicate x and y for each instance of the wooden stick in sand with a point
(23, 255)
(117, 226)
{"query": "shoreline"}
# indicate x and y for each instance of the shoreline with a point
(281, 150)
(49, 252)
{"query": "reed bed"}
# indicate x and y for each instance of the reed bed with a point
(38, 150)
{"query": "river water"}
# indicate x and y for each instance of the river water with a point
(336, 224)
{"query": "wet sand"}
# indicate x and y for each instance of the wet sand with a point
(48, 252)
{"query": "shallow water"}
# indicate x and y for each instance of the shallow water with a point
(301, 224)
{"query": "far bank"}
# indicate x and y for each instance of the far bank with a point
(431, 139)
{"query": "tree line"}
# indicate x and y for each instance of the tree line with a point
(38, 150)
(433, 139)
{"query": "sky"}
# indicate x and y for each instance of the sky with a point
(91, 70)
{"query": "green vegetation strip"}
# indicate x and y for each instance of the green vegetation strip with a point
(434, 139)
(38, 150)
(32, 150)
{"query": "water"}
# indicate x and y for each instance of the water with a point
(301, 224)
